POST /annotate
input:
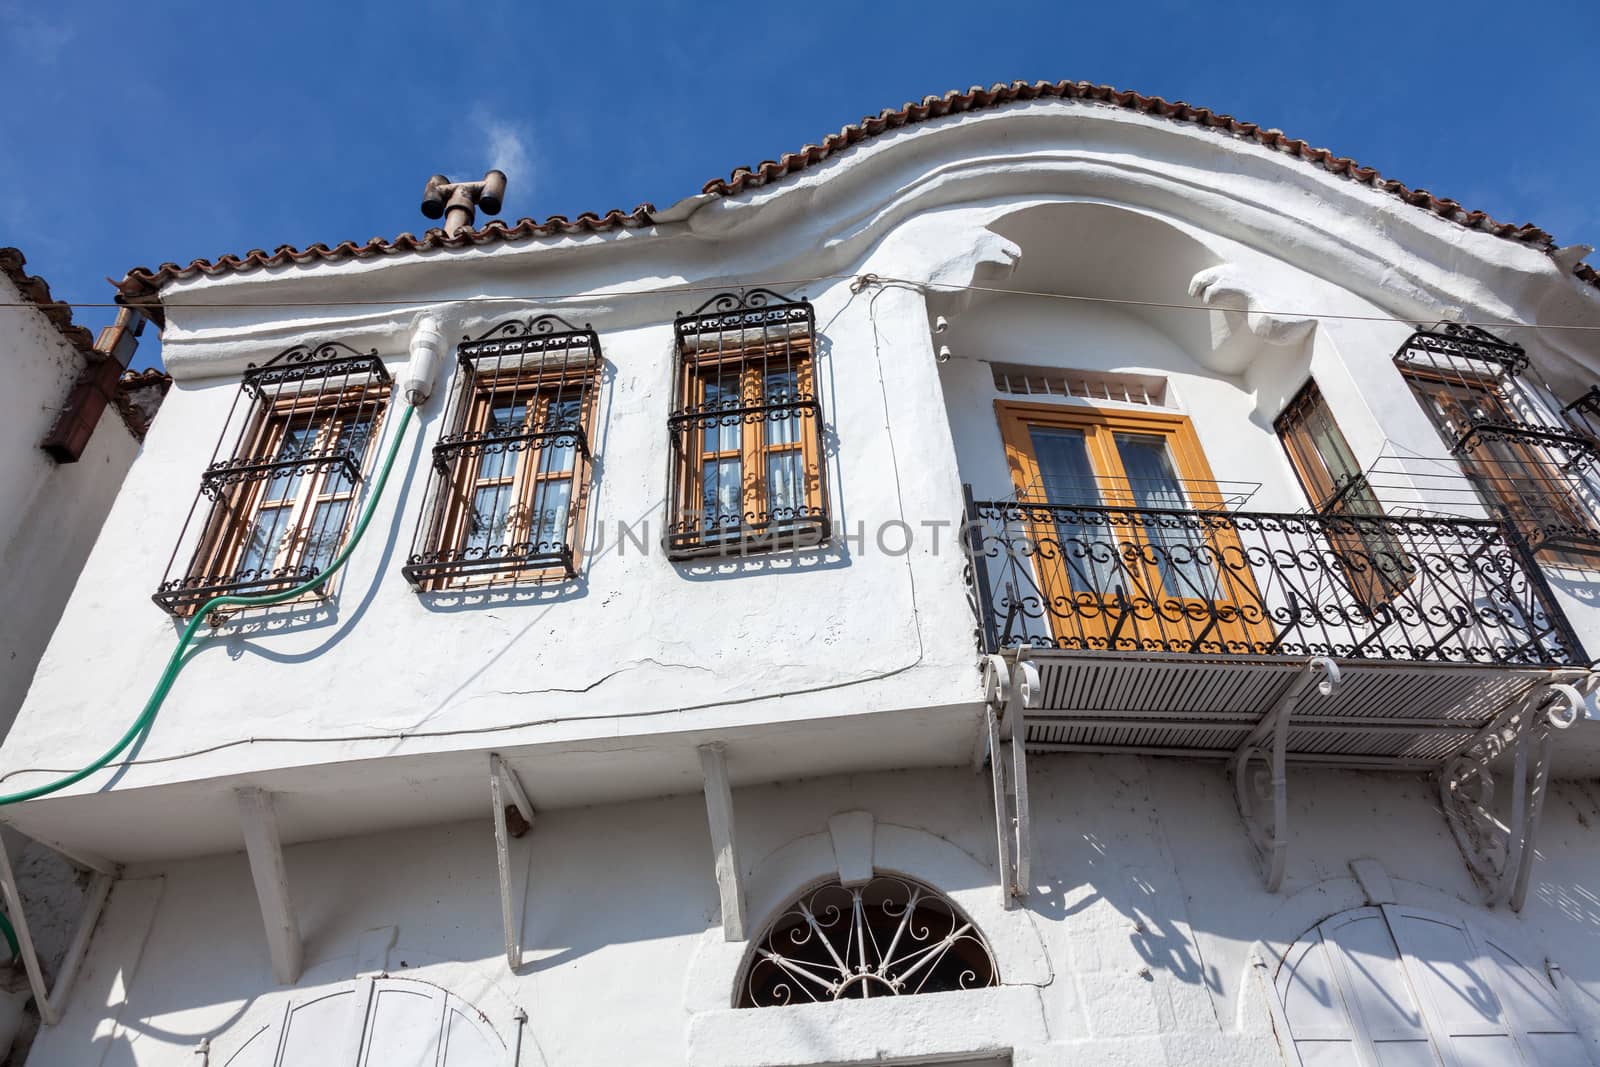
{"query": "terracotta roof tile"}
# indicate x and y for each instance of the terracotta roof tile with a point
(139, 395)
(142, 282)
(37, 291)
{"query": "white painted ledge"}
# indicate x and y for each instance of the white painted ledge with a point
(972, 1023)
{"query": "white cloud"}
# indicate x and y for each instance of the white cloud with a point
(508, 149)
(505, 145)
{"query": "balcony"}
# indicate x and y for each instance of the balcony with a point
(1171, 632)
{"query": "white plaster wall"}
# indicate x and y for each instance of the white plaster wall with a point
(646, 656)
(1144, 909)
(50, 513)
(637, 645)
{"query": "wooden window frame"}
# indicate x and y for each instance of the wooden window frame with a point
(535, 363)
(1100, 426)
(1371, 586)
(754, 363)
(236, 509)
(1490, 472)
(539, 390)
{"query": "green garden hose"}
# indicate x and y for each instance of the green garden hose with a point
(175, 663)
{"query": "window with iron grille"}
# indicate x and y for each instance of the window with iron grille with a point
(747, 470)
(510, 472)
(278, 497)
(1532, 468)
(1374, 564)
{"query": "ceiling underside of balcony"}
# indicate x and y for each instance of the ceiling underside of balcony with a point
(1389, 715)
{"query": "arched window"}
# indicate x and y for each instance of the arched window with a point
(371, 1022)
(1399, 985)
(891, 936)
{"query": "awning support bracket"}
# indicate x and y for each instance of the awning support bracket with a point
(505, 791)
(1010, 688)
(1259, 769)
(1499, 852)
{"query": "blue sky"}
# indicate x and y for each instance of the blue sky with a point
(137, 133)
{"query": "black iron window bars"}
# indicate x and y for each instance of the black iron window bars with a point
(1584, 414)
(510, 474)
(747, 471)
(279, 494)
(1534, 468)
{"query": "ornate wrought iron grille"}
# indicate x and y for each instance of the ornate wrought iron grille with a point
(510, 477)
(279, 493)
(1584, 413)
(1527, 462)
(747, 471)
(1215, 583)
(889, 937)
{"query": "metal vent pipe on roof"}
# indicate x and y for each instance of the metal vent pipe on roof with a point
(458, 202)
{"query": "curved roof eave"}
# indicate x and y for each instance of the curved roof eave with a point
(141, 284)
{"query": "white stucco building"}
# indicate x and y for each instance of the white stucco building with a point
(1178, 750)
(64, 459)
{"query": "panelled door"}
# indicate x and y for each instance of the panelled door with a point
(1124, 555)
(1396, 986)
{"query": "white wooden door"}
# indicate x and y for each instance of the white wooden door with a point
(374, 1022)
(1346, 998)
(1403, 987)
(1487, 1009)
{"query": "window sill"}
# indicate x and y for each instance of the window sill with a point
(805, 533)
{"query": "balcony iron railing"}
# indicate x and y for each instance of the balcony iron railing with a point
(1235, 583)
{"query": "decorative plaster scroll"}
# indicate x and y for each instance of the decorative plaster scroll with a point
(1251, 313)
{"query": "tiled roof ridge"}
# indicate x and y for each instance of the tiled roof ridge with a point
(36, 291)
(136, 412)
(141, 282)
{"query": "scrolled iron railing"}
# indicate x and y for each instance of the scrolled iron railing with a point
(1240, 583)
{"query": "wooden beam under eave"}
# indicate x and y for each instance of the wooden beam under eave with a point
(719, 816)
(262, 845)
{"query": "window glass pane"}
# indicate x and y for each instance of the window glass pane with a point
(722, 501)
(487, 525)
(786, 496)
(1331, 446)
(353, 437)
(551, 501)
(262, 546)
(1065, 474)
(505, 419)
(565, 413)
(722, 393)
(323, 534)
(1151, 478)
(1183, 555)
(782, 427)
(1085, 546)
(298, 440)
